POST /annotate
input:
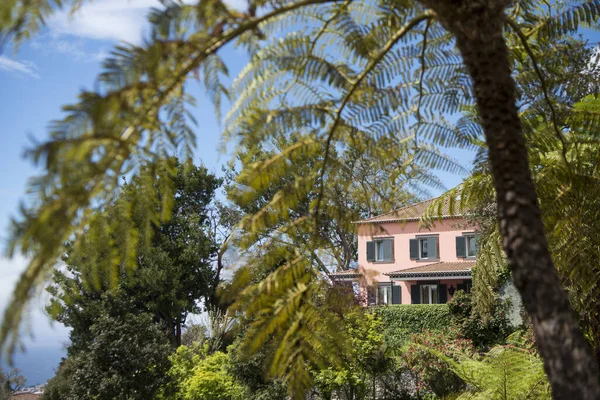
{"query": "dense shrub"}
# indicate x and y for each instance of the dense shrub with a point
(369, 369)
(431, 373)
(401, 321)
(249, 370)
(353, 380)
(128, 359)
(197, 375)
(484, 330)
(511, 371)
(211, 381)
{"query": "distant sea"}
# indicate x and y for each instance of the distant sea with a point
(37, 363)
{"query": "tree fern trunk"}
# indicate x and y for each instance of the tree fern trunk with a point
(568, 359)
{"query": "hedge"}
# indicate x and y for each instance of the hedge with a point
(400, 321)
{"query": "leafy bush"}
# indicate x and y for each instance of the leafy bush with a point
(483, 330)
(401, 321)
(369, 370)
(432, 373)
(512, 371)
(250, 371)
(210, 381)
(352, 381)
(197, 375)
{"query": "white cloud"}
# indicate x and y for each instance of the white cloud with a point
(115, 20)
(20, 66)
(106, 20)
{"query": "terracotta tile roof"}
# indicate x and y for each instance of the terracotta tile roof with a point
(26, 396)
(349, 273)
(456, 268)
(411, 213)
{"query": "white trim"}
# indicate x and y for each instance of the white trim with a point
(458, 216)
(431, 278)
(378, 242)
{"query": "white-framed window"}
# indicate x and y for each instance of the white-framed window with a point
(472, 243)
(424, 248)
(380, 250)
(384, 294)
(429, 294)
(383, 249)
(467, 245)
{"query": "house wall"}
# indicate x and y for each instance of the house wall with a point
(402, 232)
(447, 230)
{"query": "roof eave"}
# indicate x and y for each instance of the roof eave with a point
(346, 277)
(380, 221)
(432, 274)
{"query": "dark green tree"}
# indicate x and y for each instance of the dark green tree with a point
(388, 71)
(128, 359)
(174, 269)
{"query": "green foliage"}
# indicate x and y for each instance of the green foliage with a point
(368, 85)
(509, 372)
(173, 266)
(565, 174)
(401, 321)
(289, 313)
(60, 386)
(482, 330)
(10, 381)
(198, 375)
(250, 371)
(211, 381)
(128, 359)
(353, 378)
(21, 19)
(431, 374)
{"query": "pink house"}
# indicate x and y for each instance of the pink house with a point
(400, 261)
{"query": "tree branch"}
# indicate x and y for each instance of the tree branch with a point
(540, 76)
(428, 15)
(423, 66)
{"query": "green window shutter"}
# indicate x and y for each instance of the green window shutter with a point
(396, 295)
(370, 251)
(442, 294)
(415, 296)
(461, 246)
(432, 247)
(414, 249)
(387, 250)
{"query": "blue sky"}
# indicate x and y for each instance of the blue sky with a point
(46, 73)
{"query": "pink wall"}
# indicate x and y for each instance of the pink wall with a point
(402, 232)
(447, 230)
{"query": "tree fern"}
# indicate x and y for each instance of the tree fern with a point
(505, 373)
(375, 79)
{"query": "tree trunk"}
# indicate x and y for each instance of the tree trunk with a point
(568, 359)
(178, 332)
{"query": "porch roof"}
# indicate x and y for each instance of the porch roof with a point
(437, 270)
(349, 274)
